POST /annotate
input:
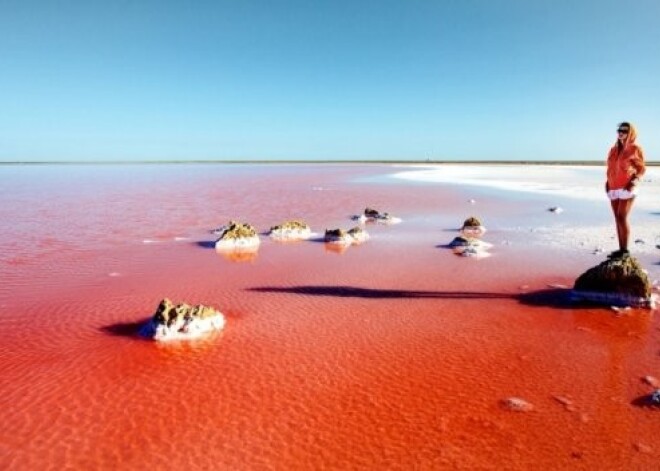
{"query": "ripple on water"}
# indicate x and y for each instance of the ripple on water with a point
(366, 359)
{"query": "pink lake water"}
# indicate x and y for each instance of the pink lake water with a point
(390, 355)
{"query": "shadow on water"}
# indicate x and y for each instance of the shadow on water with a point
(206, 244)
(646, 402)
(125, 329)
(371, 293)
(443, 246)
(557, 298)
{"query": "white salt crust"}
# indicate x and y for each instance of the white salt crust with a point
(349, 239)
(473, 231)
(362, 219)
(238, 243)
(291, 234)
(182, 331)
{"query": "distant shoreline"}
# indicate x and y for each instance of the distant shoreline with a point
(325, 162)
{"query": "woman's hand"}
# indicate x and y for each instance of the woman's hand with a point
(631, 184)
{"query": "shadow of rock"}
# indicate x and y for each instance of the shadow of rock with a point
(206, 244)
(126, 329)
(645, 402)
(554, 298)
(373, 293)
(443, 246)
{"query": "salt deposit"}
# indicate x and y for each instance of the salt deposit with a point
(182, 322)
(236, 236)
(574, 181)
(373, 216)
(291, 230)
(355, 235)
(561, 184)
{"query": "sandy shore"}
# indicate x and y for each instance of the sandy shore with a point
(394, 354)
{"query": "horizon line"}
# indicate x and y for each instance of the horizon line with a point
(324, 161)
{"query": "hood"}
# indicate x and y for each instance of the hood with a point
(632, 136)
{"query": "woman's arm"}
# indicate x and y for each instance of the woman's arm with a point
(637, 162)
(638, 168)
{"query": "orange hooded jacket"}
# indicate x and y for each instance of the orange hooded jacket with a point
(625, 165)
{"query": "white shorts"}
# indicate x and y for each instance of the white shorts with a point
(621, 194)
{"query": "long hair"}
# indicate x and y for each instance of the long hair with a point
(619, 144)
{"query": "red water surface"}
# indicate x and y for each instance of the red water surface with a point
(390, 355)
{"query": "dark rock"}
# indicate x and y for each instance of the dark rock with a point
(460, 241)
(471, 222)
(334, 234)
(356, 232)
(655, 397)
(169, 314)
(291, 225)
(236, 230)
(618, 275)
(182, 321)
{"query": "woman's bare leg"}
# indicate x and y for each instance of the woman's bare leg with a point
(615, 210)
(623, 227)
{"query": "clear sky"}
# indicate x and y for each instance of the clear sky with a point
(326, 79)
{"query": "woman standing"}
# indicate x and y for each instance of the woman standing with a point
(625, 166)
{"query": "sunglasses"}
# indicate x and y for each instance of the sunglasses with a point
(623, 131)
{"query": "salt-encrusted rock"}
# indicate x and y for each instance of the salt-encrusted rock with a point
(236, 235)
(472, 227)
(461, 241)
(651, 381)
(337, 236)
(655, 397)
(556, 209)
(517, 404)
(616, 281)
(469, 247)
(471, 251)
(372, 215)
(358, 234)
(291, 230)
(341, 236)
(182, 321)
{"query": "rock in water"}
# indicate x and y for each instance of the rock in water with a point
(355, 235)
(373, 215)
(517, 404)
(472, 227)
(236, 235)
(655, 397)
(291, 230)
(358, 234)
(337, 236)
(651, 381)
(182, 321)
(617, 281)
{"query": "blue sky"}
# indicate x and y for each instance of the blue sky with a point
(269, 79)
